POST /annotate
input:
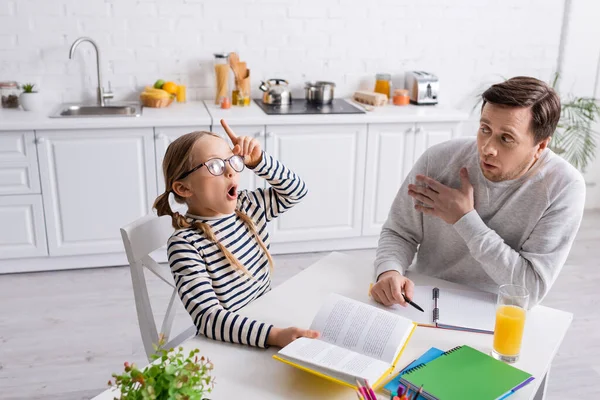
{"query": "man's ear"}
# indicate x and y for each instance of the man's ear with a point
(182, 189)
(541, 146)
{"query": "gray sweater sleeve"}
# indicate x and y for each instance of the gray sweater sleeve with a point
(403, 229)
(538, 262)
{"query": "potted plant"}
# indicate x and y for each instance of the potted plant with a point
(30, 99)
(171, 375)
(575, 138)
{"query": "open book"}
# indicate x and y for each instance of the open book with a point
(465, 310)
(357, 341)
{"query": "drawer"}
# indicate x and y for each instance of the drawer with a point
(22, 231)
(18, 163)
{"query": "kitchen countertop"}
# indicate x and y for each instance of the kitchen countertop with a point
(203, 113)
(192, 113)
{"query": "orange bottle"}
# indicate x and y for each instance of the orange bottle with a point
(383, 84)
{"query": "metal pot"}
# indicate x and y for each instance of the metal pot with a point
(319, 92)
(276, 91)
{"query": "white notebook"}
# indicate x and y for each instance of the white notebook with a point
(452, 309)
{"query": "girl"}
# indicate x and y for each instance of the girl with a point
(219, 253)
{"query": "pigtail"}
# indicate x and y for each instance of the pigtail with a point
(252, 228)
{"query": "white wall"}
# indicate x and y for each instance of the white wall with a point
(465, 42)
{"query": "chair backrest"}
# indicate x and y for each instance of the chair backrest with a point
(140, 239)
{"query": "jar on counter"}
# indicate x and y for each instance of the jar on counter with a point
(222, 76)
(9, 93)
(383, 84)
(401, 97)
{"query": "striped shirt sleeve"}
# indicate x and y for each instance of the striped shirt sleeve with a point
(194, 286)
(286, 188)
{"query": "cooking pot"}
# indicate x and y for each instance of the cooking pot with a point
(319, 92)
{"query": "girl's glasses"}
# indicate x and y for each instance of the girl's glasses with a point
(216, 166)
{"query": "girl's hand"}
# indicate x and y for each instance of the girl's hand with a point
(282, 337)
(244, 146)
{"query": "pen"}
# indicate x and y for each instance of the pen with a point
(415, 305)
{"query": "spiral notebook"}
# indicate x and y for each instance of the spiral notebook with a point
(464, 310)
(464, 373)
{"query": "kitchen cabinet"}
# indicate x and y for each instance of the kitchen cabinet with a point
(94, 182)
(331, 160)
(18, 163)
(392, 150)
(22, 231)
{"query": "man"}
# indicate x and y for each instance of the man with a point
(499, 209)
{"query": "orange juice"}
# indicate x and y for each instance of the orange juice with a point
(510, 322)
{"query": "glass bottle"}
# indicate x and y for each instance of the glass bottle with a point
(221, 76)
(383, 84)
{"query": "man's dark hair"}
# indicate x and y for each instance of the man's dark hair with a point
(524, 91)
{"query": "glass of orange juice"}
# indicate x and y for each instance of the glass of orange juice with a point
(511, 310)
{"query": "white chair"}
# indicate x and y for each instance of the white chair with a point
(140, 239)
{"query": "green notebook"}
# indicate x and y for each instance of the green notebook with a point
(464, 373)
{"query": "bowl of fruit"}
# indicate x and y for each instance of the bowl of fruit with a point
(160, 95)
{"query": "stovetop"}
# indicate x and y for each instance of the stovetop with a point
(300, 107)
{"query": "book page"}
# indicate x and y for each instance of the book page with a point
(423, 296)
(361, 328)
(344, 363)
(467, 309)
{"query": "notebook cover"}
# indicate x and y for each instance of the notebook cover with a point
(428, 356)
(464, 373)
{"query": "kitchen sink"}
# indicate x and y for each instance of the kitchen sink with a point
(83, 111)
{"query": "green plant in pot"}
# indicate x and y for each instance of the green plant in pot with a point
(575, 138)
(30, 99)
(171, 376)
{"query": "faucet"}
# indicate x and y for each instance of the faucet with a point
(102, 95)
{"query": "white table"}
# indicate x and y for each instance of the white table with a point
(250, 373)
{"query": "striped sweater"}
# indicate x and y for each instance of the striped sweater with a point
(211, 290)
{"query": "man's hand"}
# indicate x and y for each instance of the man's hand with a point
(244, 146)
(442, 201)
(389, 287)
(282, 337)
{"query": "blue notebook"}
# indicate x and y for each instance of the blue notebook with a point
(392, 386)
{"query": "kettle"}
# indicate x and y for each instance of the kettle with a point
(276, 92)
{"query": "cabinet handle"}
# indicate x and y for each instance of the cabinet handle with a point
(160, 136)
(259, 134)
(269, 134)
(40, 140)
(419, 130)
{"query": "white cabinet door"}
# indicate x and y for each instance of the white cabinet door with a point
(18, 163)
(248, 180)
(94, 182)
(331, 160)
(430, 134)
(390, 156)
(164, 137)
(22, 232)
(392, 150)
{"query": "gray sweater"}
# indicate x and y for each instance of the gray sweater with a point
(520, 232)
